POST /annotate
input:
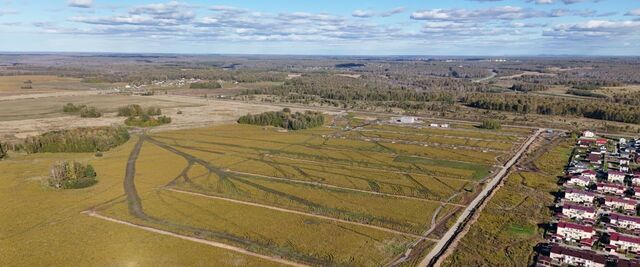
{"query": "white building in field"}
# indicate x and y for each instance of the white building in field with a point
(405, 119)
(588, 134)
(579, 196)
(564, 256)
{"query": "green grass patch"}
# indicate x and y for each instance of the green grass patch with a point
(479, 171)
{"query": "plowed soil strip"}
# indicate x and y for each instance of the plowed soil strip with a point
(296, 212)
(197, 240)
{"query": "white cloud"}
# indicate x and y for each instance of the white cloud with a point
(359, 13)
(634, 12)
(493, 13)
(80, 3)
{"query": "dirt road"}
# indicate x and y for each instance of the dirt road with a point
(434, 257)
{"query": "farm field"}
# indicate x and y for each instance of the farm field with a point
(51, 107)
(12, 85)
(302, 197)
(510, 219)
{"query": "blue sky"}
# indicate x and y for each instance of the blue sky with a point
(346, 27)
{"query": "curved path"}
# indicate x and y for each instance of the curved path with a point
(434, 256)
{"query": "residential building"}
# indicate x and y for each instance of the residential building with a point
(579, 196)
(610, 188)
(579, 181)
(578, 212)
(624, 242)
(573, 257)
(620, 203)
(625, 221)
(575, 232)
(616, 176)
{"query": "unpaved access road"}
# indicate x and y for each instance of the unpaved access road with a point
(434, 257)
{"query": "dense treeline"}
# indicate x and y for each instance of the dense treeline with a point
(71, 174)
(589, 93)
(205, 85)
(554, 106)
(285, 119)
(75, 140)
(84, 110)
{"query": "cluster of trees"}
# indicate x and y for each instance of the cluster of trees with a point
(285, 119)
(528, 87)
(147, 121)
(75, 140)
(554, 106)
(135, 110)
(632, 98)
(84, 110)
(71, 174)
(491, 125)
(205, 85)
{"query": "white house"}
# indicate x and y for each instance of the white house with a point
(624, 221)
(615, 176)
(573, 257)
(578, 212)
(405, 119)
(588, 134)
(579, 196)
(624, 242)
(574, 232)
(636, 179)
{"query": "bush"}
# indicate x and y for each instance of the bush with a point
(71, 174)
(285, 119)
(205, 85)
(90, 112)
(491, 125)
(153, 111)
(76, 140)
(130, 110)
(3, 151)
(71, 108)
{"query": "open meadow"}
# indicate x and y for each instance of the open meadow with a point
(312, 197)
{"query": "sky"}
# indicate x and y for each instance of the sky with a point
(327, 27)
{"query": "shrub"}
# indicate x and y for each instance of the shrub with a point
(90, 112)
(71, 174)
(76, 140)
(491, 125)
(71, 108)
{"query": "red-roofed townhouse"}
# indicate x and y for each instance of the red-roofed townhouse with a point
(625, 221)
(578, 212)
(601, 141)
(620, 203)
(574, 232)
(636, 178)
(573, 257)
(608, 188)
(595, 159)
(589, 174)
(579, 196)
(625, 242)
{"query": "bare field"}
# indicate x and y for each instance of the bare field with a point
(11, 85)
